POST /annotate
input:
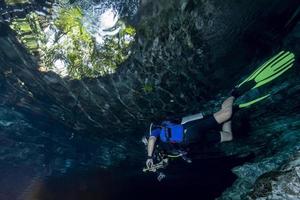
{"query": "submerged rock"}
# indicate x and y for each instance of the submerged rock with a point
(283, 183)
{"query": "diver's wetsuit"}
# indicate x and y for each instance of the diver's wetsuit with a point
(195, 130)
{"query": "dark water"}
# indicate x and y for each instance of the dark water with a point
(205, 178)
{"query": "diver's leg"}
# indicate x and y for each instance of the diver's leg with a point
(225, 113)
(194, 129)
(226, 133)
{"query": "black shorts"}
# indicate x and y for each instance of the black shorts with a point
(205, 130)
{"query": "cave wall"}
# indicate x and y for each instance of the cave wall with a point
(270, 131)
(178, 45)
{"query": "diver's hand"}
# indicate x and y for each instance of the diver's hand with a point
(149, 163)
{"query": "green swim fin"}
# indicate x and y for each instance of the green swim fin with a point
(245, 105)
(270, 70)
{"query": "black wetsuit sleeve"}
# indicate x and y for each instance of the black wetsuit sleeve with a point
(174, 119)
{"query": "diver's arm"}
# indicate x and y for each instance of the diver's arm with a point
(151, 145)
(150, 149)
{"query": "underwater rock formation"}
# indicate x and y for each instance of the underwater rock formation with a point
(279, 184)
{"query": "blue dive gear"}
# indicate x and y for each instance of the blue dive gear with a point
(171, 132)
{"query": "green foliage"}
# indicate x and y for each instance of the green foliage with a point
(73, 44)
(28, 30)
(70, 22)
(13, 2)
(129, 30)
(79, 45)
(112, 53)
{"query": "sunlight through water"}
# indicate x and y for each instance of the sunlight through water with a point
(80, 39)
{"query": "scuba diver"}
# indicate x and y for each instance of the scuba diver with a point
(191, 127)
(175, 135)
